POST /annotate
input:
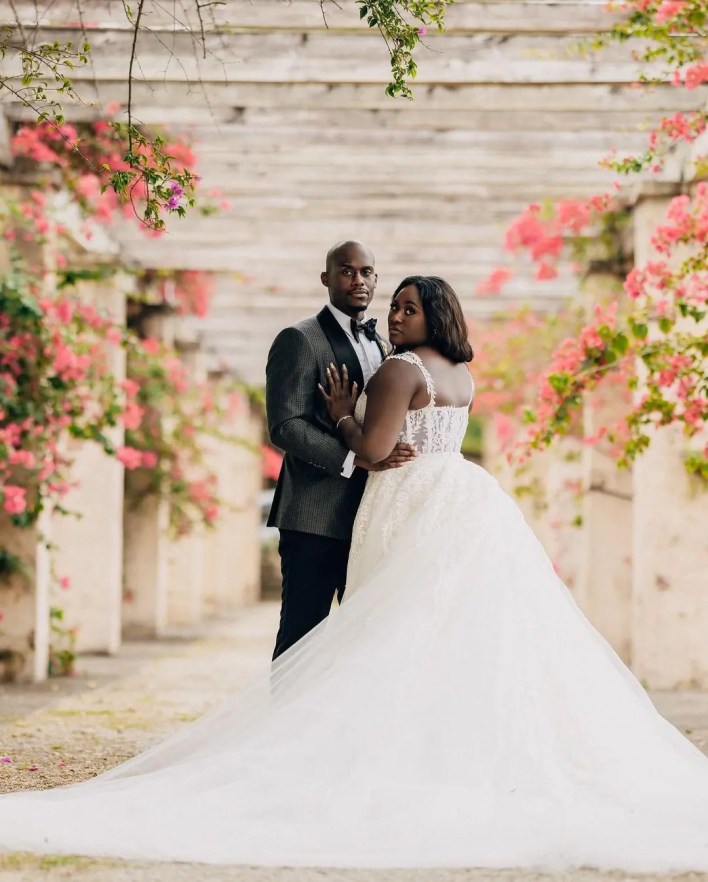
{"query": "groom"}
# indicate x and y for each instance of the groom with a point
(321, 482)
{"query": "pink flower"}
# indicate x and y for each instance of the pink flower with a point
(5, 759)
(545, 271)
(130, 457)
(151, 346)
(14, 499)
(65, 583)
(504, 430)
(22, 458)
(668, 9)
(591, 339)
(130, 387)
(132, 415)
(696, 74)
(149, 459)
(64, 310)
(494, 281)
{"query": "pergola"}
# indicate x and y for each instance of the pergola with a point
(290, 120)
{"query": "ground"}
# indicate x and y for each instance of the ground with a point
(71, 728)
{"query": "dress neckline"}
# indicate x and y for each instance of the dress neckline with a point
(413, 358)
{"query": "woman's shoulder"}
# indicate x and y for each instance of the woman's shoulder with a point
(398, 368)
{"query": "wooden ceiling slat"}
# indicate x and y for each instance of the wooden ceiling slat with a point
(275, 15)
(331, 58)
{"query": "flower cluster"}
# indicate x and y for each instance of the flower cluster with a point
(170, 419)
(55, 383)
(654, 342)
(661, 331)
(111, 168)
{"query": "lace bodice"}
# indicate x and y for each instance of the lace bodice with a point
(433, 428)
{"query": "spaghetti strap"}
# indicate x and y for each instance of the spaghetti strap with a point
(473, 389)
(414, 358)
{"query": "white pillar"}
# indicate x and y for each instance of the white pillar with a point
(89, 548)
(24, 592)
(145, 533)
(604, 588)
(145, 547)
(186, 555)
(669, 610)
(24, 602)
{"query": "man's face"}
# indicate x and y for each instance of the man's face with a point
(351, 279)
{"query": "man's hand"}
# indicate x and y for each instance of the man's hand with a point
(399, 456)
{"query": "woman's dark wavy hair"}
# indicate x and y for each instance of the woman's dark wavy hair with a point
(447, 328)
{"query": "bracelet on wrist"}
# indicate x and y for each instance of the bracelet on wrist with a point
(347, 416)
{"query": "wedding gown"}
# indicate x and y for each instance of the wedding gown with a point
(458, 710)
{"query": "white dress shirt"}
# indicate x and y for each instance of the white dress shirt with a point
(369, 355)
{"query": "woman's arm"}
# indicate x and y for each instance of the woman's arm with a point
(388, 397)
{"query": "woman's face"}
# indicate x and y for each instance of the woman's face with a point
(406, 320)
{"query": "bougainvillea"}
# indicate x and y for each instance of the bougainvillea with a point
(55, 382)
(653, 349)
(96, 161)
(168, 417)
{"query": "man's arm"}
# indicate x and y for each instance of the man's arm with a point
(291, 387)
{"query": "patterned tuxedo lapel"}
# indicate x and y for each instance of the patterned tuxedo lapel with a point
(341, 347)
(384, 347)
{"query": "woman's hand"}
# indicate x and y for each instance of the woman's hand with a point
(341, 399)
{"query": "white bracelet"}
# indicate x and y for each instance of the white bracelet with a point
(348, 416)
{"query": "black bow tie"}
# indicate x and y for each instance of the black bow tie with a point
(368, 327)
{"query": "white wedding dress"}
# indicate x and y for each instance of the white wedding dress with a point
(458, 710)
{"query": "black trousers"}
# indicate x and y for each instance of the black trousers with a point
(314, 568)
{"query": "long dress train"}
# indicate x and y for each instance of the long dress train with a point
(458, 710)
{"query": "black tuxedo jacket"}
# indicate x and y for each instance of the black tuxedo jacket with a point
(311, 496)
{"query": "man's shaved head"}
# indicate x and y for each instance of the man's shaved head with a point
(339, 247)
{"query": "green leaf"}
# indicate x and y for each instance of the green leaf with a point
(620, 343)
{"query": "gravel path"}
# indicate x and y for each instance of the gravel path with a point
(70, 729)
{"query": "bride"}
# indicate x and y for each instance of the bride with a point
(458, 710)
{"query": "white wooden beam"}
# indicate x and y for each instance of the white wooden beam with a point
(506, 107)
(340, 58)
(595, 99)
(195, 119)
(306, 15)
(240, 139)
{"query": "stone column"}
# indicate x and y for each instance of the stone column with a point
(145, 535)
(232, 573)
(669, 606)
(89, 548)
(186, 555)
(145, 548)
(604, 589)
(24, 602)
(26, 573)
(564, 529)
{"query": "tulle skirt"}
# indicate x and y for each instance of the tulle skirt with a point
(457, 710)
